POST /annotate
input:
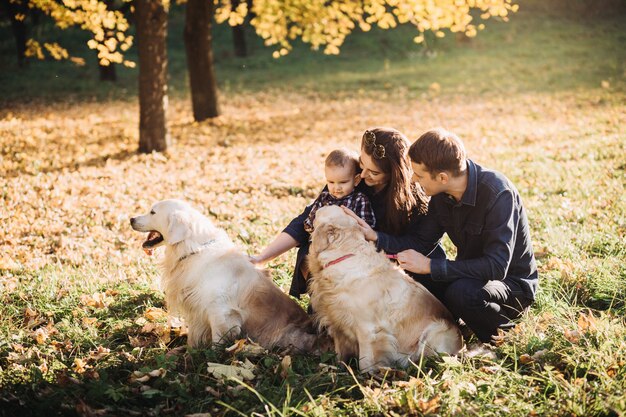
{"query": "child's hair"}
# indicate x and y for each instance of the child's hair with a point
(388, 149)
(439, 150)
(343, 157)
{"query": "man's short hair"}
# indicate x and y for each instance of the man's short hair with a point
(343, 157)
(439, 150)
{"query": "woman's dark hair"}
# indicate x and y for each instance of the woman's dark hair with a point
(388, 149)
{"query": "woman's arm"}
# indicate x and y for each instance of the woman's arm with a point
(370, 234)
(422, 234)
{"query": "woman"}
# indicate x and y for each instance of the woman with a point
(398, 204)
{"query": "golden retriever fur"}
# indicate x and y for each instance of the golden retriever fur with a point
(371, 308)
(215, 287)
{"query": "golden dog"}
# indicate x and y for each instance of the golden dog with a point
(215, 288)
(371, 308)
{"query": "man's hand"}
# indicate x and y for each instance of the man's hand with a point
(370, 234)
(414, 261)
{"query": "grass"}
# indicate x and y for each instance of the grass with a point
(82, 323)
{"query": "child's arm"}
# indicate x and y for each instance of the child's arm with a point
(281, 244)
(293, 235)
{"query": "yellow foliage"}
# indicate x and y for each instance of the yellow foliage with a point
(225, 12)
(279, 22)
(471, 31)
(320, 23)
(33, 48)
(56, 51)
(111, 43)
(108, 28)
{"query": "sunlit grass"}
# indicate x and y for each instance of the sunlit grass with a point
(81, 319)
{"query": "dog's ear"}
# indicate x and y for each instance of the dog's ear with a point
(179, 227)
(323, 236)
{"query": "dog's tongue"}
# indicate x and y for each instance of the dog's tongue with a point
(148, 251)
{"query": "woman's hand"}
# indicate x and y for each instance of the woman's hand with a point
(414, 261)
(370, 234)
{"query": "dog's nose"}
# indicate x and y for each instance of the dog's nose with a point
(132, 221)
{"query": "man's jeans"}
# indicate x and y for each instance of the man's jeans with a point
(484, 306)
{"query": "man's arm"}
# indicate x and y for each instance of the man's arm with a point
(498, 238)
(422, 234)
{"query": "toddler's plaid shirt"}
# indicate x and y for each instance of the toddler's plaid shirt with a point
(355, 201)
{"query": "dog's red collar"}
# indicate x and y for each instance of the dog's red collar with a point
(336, 261)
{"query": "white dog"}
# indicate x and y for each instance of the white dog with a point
(371, 308)
(214, 287)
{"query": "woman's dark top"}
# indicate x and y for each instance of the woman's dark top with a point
(295, 229)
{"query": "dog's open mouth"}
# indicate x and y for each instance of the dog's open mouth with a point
(153, 239)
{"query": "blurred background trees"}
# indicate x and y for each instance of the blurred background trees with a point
(278, 22)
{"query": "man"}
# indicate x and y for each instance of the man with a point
(494, 276)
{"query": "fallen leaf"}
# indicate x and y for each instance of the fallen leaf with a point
(43, 367)
(41, 335)
(525, 358)
(243, 371)
(96, 300)
(612, 370)
(139, 376)
(89, 321)
(285, 366)
(79, 365)
(99, 353)
(155, 314)
(572, 335)
(236, 347)
(429, 406)
(586, 322)
(157, 373)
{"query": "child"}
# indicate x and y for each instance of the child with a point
(342, 176)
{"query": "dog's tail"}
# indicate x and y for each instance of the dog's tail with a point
(441, 336)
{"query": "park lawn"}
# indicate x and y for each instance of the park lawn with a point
(83, 328)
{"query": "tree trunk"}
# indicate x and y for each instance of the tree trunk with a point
(107, 73)
(239, 41)
(13, 10)
(239, 36)
(151, 18)
(199, 49)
